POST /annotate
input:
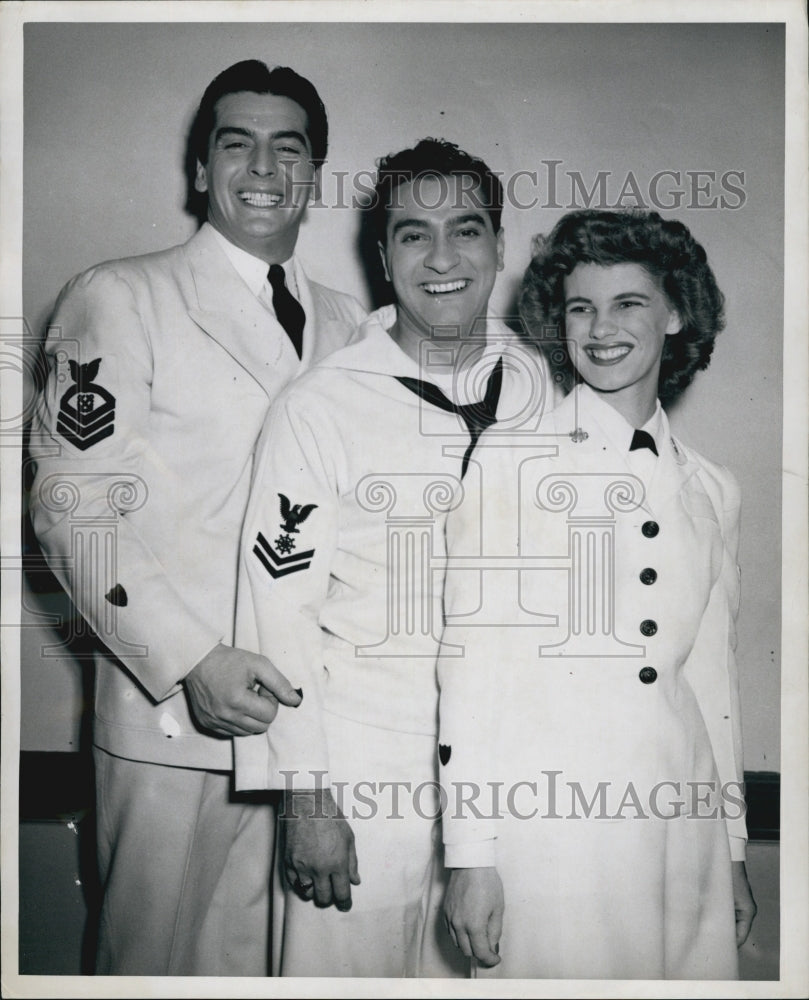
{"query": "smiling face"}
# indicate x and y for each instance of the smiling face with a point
(441, 255)
(259, 175)
(617, 319)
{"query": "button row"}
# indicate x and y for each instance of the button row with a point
(648, 627)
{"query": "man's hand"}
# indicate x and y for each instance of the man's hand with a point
(235, 693)
(473, 909)
(746, 908)
(319, 857)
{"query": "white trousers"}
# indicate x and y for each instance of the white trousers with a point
(185, 872)
(386, 784)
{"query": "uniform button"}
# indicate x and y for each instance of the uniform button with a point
(648, 575)
(650, 528)
(648, 675)
(648, 627)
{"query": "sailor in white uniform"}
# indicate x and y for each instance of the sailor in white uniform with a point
(342, 575)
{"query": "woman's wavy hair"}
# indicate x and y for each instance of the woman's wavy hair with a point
(665, 248)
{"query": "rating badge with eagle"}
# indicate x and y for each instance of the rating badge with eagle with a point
(278, 558)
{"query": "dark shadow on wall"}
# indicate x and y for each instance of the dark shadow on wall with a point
(379, 289)
(196, 202)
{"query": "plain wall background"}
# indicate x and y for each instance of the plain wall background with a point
(107, 108)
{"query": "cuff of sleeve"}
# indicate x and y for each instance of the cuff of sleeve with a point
(251, 762)
(480, 854)
(738, 848)
(304, 779)
(255, 768)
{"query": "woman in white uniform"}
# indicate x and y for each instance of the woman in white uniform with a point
(590, 744)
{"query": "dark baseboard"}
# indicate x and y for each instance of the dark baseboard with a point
(56, 786)
(763, 796)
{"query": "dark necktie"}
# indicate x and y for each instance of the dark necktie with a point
(288, 311)
(642, 439)
(477, 416)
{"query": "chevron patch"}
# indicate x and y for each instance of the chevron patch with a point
(280, 565)
(87, 410)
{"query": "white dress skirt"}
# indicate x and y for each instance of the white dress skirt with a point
(589, 743)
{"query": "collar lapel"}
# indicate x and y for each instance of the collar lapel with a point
(587, 448)
(674, 470)
(229, 313)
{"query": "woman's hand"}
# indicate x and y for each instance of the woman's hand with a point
(743, 901)
(473, 909)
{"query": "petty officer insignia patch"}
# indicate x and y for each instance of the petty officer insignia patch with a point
(87, 410)
(278, 559)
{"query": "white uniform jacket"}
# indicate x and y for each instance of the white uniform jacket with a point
(591, 629)
(163, 368)
(343, 548)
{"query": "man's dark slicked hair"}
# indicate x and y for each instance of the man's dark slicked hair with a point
(254, 76)
(433, 158)
(664, 248)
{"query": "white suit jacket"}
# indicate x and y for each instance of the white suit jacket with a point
(162, 370)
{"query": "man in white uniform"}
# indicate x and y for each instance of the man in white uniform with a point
(343, 552)
(163, 368)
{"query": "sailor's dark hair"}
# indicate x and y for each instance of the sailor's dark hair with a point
(433, 158)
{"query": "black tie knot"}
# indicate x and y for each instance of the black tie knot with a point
(476, 416)
(642, 439)
(288, 311)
